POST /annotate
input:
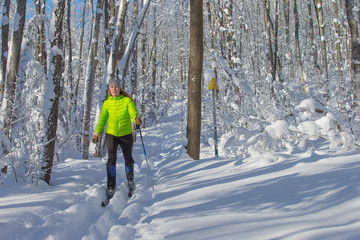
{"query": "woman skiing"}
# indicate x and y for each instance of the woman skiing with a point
(118, 111)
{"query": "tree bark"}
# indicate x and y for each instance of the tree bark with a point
(40, 51)
(4, 45)
(90, 78)
(337, 38)
(194, 79)
(320, 18)
(54, 83)
(134, 58)
(80, 68)
(117, 49)
(312, 39)
(272, 46)
(355, 48)
(13, 66)
(153, 63)
(286, 11)
(69, 71)
(297, 47)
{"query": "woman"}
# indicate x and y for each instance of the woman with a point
(117, 111)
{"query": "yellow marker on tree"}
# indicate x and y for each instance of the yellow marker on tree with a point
(213, 86)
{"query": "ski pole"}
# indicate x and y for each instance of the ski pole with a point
(142, 141)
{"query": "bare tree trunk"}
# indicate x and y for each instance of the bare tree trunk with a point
(297, 47)
(194, 79)
(90, 78)
(13, 66)
(70, 93)
(337, 38)
(286, 10)
(276, 43)
(54, 82)
(134, 58)
(211, 24)
(80, 58)
(271, 50)
(355, 47)
(153, 63)
(4, 45)
(143, 73)
(312, 39)
(40, 51)
(320, 18)
(230, 34)
(117, 49)
(125, 57)
(107, 29)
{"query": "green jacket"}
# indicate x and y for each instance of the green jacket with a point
(117, 112)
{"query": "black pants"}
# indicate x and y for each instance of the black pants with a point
(126, 143)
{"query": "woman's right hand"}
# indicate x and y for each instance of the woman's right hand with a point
(95, 138)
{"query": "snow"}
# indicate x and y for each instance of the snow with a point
(17, 19)
(277, 129)
(310, 194)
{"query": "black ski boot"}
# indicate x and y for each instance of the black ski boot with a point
(130, 179)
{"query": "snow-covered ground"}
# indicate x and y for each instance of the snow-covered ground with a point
(308, 195)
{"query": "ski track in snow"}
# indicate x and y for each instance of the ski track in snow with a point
(311, 195)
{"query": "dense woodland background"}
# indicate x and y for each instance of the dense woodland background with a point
(267, 57)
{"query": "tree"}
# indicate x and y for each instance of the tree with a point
(312, 39)
(337, 38)
(272, 42)
(80, 58)
(355, 47)
(153, 64)
(117, 48)
(319, 13)
(297, 47)
(13, 66)
(40, 51)
(90, 78)
(4, 45)
(54, 83)
(194, 79)
(69, 71)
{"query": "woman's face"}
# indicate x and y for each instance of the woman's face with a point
(114, 90)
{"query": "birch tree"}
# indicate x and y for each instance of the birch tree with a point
(80, 68)
(4, 45)
(40, 48)
(54, 83)
(134, 56)
(117, 48)
(69, 70)
(90, 78)
(153, 62)
(13, 66)
(194, 79)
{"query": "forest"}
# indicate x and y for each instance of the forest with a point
(269, 59)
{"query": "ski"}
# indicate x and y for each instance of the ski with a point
(109, 196)
(131, 187)
(131, 191)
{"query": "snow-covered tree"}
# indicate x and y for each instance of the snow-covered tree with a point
(54, 83)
